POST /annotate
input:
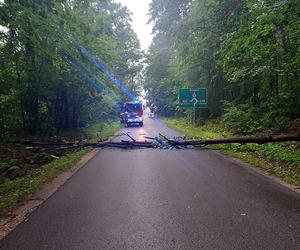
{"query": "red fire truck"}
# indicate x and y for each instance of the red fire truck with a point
(132, 113)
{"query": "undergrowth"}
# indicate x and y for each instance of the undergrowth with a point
(23, 171)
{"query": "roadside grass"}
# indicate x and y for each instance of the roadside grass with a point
(279, 159)
(32, 172)
(13, 191)
(100, 131)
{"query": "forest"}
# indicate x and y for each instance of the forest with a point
(47, 84)
(245, 52)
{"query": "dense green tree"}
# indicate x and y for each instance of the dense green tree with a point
(159, 83)
(41, 92)
(245, 52)
(261, 58)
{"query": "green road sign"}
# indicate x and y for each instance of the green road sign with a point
(193, 98)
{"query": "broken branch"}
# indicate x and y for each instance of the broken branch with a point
(158, 141)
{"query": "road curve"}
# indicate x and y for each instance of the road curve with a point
(163, 199)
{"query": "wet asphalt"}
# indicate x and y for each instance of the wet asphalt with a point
(163, 199)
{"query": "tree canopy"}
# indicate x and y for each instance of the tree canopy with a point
(42, 92)
(245, 52)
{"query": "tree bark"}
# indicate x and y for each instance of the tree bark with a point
(243, 140)
(174, 143)
(21, 98)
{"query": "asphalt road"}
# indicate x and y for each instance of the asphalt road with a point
(163, 199)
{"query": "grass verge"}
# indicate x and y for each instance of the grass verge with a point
(31, 173)
(279, 159)
(13, 191)
(101, 131)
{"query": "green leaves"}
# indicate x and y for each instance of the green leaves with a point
(244, 52)
(51, 95)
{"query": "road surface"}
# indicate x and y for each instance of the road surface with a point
(163, 199)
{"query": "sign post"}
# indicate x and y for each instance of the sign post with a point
(194, 117)
(193, 99)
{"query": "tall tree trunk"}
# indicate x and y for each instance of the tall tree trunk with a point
(32, 93)
(21, 99)
(274, 84)
(2, 128)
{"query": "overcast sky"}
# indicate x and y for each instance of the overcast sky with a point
(139, 9)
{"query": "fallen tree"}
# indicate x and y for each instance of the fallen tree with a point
(157, 142)
(243, 140)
